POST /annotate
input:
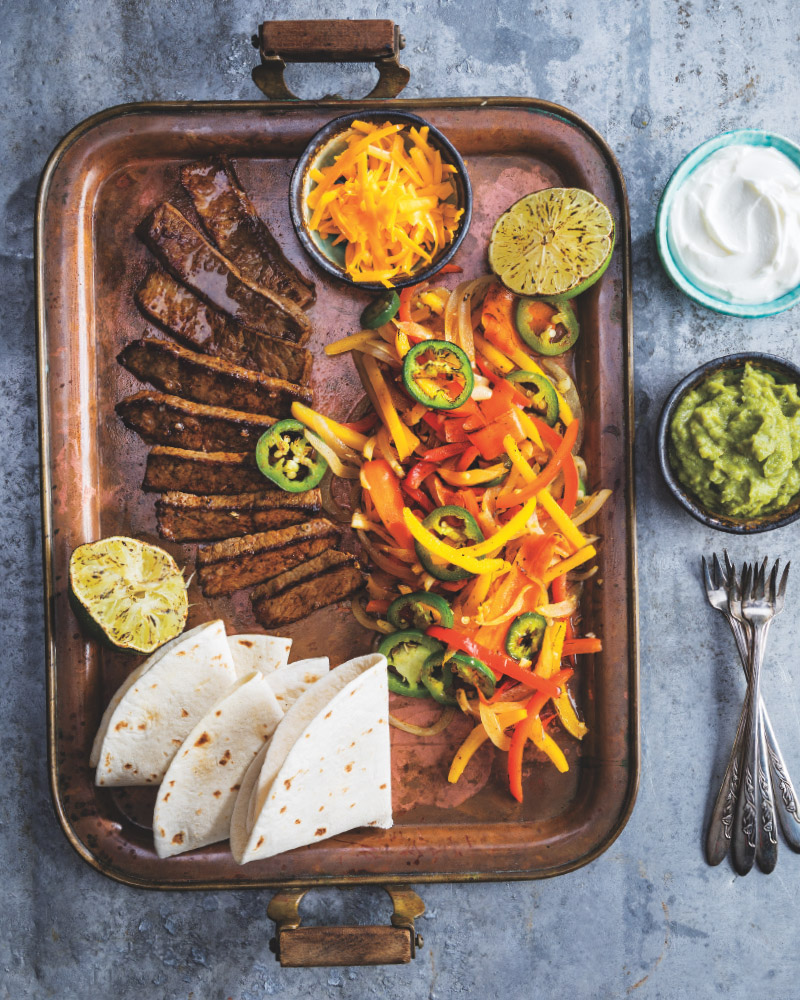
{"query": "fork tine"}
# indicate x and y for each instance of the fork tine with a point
(706, 576)
(717, 577)
(773, 583)
(730, 569)
(743, 586)
(784, 579)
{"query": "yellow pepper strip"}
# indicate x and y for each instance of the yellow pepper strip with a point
(375, 386)
(415, 414)
(519, 359)
(369, 448)
(329, 430)
(473, 742)
(578, 559)
(338, 468)
(478, 592)
(352, 343)
(549, 663)
(548, 745)
(402, 344)
(495, 723)
(432, 301)
(472, 477)
(517, 460)
(529, 427)
(544, 663)
(560, 519)
(509, 531)
(388, 452)
(492, 355)
(449, 553)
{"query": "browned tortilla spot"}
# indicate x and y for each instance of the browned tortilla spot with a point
(178, 838)
(203, 739)
(283, 809)
(235, 788)
(172, 783)
(383, 785)
(260, 842)
(348, 767)
(329, 714)
(297, 822)
(217, 794)
(128, 767)
(184, 713)
(181, 652)
(166, 797)
(225, 758)
(142, 725)
(320, 832)
(246, 642)
(121, 725)
(288, 784)
(161, 832)
(218, 712)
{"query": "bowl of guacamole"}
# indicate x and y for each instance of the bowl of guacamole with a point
(729, 443)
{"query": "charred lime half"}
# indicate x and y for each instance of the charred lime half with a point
(555, 242)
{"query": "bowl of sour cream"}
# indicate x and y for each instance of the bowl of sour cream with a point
(728, 224)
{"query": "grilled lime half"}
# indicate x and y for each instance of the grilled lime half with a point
(555, 242)
(132, 591)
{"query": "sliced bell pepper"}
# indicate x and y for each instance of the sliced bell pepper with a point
(473, 742)
(548, 665)
(445, 451)
(535, 555)
(566, 565)
(469, 502)
(376, 388)
(573, 647)
(523, 731)
(489, 440)
(418, 473)
(418, 497)
(509, 531)
(384, 490)
(468, 456)
(497, 319)
(364, 424)
(550, 471)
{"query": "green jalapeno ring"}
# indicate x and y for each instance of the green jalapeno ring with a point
(525, 635)
(419, 610)
(438, 361)
(438, 676)
(549, 342)
(438, 679)
(543, 395)
(286, 457)
(469, 534)
(405, 653)
(380, 310)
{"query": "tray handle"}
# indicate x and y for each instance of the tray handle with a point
(303, 947)
(282, 42)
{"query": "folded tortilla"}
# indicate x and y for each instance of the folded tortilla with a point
(326, 769)
(289, 682)
(158, 710)
(197, 796)
(259, 652)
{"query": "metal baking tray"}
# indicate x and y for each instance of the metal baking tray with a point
(99, 183)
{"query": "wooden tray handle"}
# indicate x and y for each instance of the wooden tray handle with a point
(302, 947)
(282, 42)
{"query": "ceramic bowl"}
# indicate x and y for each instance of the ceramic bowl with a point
(711, 519)
(671, 261)
(327, 144)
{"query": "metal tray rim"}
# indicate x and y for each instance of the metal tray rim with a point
(121, 110)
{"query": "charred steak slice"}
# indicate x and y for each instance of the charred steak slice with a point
(237, 563)
(163, 419)
(179, 312)
(218, 472)
(183, 517)
(235, 226)
(171, 368)
(327, 579)
(191, 259)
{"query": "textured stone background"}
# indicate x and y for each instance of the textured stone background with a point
(649, 919)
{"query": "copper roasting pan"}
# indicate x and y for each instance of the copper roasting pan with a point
(99, 183)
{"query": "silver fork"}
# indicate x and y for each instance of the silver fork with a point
(720, 584)
(754, 832)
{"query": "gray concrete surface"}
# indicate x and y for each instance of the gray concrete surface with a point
(649, 919)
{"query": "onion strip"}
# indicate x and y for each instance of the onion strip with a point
(441, 723)
(590, 507)
(337, 466)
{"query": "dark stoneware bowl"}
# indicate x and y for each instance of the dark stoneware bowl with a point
(328, 143)
(711, 519)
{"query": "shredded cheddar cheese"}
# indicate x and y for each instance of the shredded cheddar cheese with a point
(386, 196)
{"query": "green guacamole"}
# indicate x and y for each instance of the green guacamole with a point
(735, 442)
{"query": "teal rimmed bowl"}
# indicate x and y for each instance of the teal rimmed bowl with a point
(670, 260)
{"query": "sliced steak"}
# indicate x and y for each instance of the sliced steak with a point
(235, 226)
(191, 259)
(218, 472)
(183, 517)
(171, 368)
(237, 563)
(179, 312)
(163, 419)
(326, 579)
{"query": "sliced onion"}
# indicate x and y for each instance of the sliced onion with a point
(441, 723)
(366, 621)
(516, 609)
(331, 506)
(380, 351)
(564, 609)
(569, 392)
(337, 466)
(587, 574)
(492, 727)
(458, 327)
(465, 705)
(590, 507)
(383, 561)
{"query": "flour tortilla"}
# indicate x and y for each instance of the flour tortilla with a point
(266, 653)
(158, 710)
(199, 790)
(289, 682)
(131, 679)
(239, 826)
(327, 768)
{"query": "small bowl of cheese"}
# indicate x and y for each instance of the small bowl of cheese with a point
(728, 224)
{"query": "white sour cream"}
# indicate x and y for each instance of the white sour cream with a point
(734, 225)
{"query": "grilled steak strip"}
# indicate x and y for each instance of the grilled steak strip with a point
(171, 368)
(237, 563)
(191, 259)
(163, 419)
(234, 225)
(294, 595)
(180, 313)
(202, 472)
(183, 517)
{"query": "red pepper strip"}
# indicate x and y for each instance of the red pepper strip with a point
(364, 424)
(445, 451)
(377, 607)
(569, 633)
(559, 586)
(489, 440)
(448, 269)
(500, 401)
(418, 497)
(570, 497)
(467, 458)
(435, 421)
(502, 386)
(384, 489)
(498, 663)
(469, 502)
(499, 694)
(453, 585)
(574, 646)
(468, 409)
(418, 473)
(443, 496)
(535, 555)
(475, 422)
(454, 431)
(522, 733)
(497, 319)
(404, 312)
(550, 471)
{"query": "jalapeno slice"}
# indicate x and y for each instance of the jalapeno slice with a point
(406, 652)
(438, 374)
(438, 679)
(438, 676)
(458, 528)
(285, 455)
(419, 611)
(550, 325)
(541, 392)
(380, 310)
(524, 636)
(475, 672)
